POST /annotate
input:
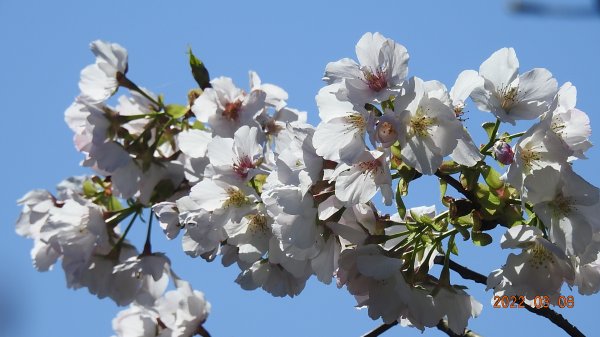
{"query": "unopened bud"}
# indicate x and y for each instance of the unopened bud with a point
(503, 153)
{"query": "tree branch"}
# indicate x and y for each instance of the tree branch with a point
(458, 186)
(380, 329)
(442, 326)
(548, 313)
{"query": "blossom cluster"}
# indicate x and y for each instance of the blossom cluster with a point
(241, 175)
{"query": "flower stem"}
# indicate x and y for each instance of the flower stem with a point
(492, 140)
(115, 249)
(148, 245)
(127, 83)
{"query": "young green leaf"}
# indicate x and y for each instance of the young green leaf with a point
(199, 71)
(481, 239)
(176, 110)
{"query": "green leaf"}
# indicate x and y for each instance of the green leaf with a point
(89, 189)
(176, 110)
(481, 239)
(492, 177)
(469, 178)
(453, 248)
(511, 216)
(399, 203)
(488, 127)
(199, 71)
(403, 186)
(113, 204)
(396, 152)
(450, 167)
(198, 125)
(443, 188)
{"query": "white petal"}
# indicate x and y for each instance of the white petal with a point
(501, 69)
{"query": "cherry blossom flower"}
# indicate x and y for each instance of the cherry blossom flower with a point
(569, 123)
(510, 96)
(541, 267)
(235, 160)
(382, 67)
(536, 149)
(432, 130)
(359, 183)
(226, 108)
(568, 206)
(100, 80)
(340, 134)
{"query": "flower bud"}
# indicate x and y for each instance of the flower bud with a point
(503, 153)
(386, 131)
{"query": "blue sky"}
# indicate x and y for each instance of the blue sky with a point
(45, 45)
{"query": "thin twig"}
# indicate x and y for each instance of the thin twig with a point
(459, 187)
(380, 329)
(442, 326)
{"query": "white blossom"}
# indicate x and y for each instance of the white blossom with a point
(567, 205)
(432, 129)
(540, 268)
(382, 67)
(510, 96)
(358, 183)
(226, 108)
(100, 80)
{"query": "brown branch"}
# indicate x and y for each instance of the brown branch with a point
(442, 326)
(548, 313)
(450, 180)
(380, 329)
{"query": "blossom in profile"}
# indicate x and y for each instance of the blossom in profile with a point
(340, 136)
(100, 80)
(569, 123)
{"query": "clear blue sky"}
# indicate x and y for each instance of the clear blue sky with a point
(44, 45)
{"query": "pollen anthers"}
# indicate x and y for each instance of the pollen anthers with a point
(257, 224)
(271, 128)
(540, 257)
(369, 167)
(459, 110)
(376, 80)
(508, 96)
(243, 165)
(528, 156)
(356, 121)
(420, 124)
(235, 198)
(232, 110)
(557, 126)
(562, 206)
(386, 130)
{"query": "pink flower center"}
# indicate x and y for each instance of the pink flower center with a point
(376, 80)
(232, 110)
(242, 167)
(369, 167)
